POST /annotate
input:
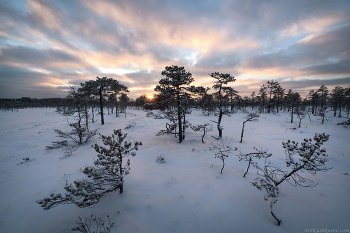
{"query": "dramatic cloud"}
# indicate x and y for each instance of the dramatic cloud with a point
(47, 46)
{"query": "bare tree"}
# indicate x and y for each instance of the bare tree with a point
(250, 117)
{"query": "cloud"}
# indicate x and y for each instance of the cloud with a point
(64, 43)
(33, 57)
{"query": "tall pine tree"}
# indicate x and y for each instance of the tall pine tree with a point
(172, 93)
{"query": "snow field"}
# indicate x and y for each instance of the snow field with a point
(185, 194)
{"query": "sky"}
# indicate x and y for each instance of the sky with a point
(48, 46)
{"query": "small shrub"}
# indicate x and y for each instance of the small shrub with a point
(100, 225)
(221, 152)
(160, 159)
(344, 122)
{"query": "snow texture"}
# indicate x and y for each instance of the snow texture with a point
(185, 194)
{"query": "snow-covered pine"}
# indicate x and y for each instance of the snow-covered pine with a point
(104, 177)
(80, 133)
(312, 158)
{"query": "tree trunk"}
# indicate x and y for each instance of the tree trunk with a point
(116, 107)
(250, 160)
(93, 114)
(86, 116)
(273, 202)
(242, 132)
(179, 116)
(223, 165)
(101, 107)
(219, 124)
(203, 135)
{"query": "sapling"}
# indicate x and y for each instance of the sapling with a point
(312, 158)
(301, 115)
(249, 157)
(99, 223)
(221, 152)
(250, 117)
(104, 177)
(207, 127)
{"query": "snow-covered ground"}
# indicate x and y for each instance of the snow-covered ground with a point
(185, 194)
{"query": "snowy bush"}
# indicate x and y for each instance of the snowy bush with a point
(344, 122)
(207, 127)
(160, 159)
(105, 177)
(312, 158)
(99, 225)
(249, 157)
(128, 126)
(221, 152)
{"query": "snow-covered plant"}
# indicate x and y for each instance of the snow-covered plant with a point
(160, 159)
(249, 157)
(301, 114)
(57, 144)
(207, 127)
(25, 160)
(344, 122)
(311, 158)
(99, 225)
(128, 126)
(221, 152)
(79, 134)
(104, 177)
(250, 117)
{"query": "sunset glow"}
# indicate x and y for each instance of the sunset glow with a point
(48, 46)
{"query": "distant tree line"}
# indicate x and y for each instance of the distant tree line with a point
(174, 92)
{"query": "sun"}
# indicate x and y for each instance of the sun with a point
(150, 97)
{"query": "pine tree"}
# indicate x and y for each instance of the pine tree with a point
(293, 102)
(102, 88)
(221, 79)
(278, 93)
(338, 98)
(230, 93)
(323, 95)
(271, 86)
(263, 97)
(172, 93)
(106, 176)
(311, 158)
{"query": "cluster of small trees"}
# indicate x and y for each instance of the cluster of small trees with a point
(309, 156)
(175, 99)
